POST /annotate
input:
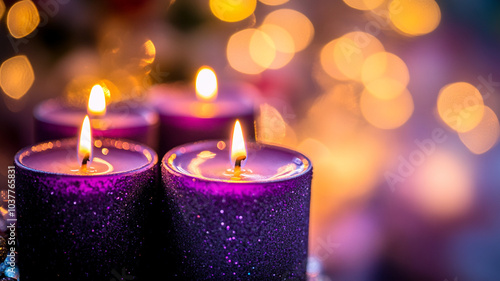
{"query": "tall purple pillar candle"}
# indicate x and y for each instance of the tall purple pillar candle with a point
(254, 227)
(188, 116)
(75, 225)
(55, 120)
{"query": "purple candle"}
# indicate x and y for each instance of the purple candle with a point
(243, 220)
(188, 115)
(55, 120)
(82, 217)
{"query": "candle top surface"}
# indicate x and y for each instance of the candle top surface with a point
(233, 99)
(110, 156)
(210, 160)
(55, 111)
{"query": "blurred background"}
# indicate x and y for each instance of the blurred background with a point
(396, 102)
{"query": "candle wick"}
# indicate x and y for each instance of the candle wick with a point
(237, 167)
(85, 160)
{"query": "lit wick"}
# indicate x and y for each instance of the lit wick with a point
(238, 151)
(84, 149)
(237, 168)
(83, 167)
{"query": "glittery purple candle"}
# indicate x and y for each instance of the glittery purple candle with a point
(83, 226)
(254, 227)
(55, 120)
(185, 118)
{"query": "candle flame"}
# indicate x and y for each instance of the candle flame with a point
(206, 84)
(97, 101)
(238, 149)
(85, 143)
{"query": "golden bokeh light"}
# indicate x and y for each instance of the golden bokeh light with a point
(149, 53)
(283, 43)
(295, 23)
(250, 51)
(364, 4)
(22, 18)
(415, 17)
(385, 75)
(460, 105)
(232, 11)
(273, 2)
(262, 49)
(339, 108)
(443, 186)
(16, 76)
(2, 8)
(485, 135)
(345, 173)
(77, 90)
(386, 113)
(327, 61)
(344, 57)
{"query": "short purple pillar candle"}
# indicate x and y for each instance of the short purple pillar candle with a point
(56, 120)
(73, 225)
(184, 118)
(254, 227)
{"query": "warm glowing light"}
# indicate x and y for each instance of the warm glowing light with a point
(460, 105)
(364, 4)
(85, 143)
(2, 8)
(485, 135)
(262, 49)
(386, 113)
(232, 11)
(150, 53)
(238, 148)
(295, 23)
(206, 84)
(22, 18)
(339, 109)
(77, 90)
(443, 186)
(415, 17)
(97, 102)
(16, 76)
(250, 51)
(344, 57)
(385, 75)
(273, 2)
(283, 42)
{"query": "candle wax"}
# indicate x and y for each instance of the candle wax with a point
(113, 156)
(212, 162)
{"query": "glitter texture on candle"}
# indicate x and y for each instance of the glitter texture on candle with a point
(228, 230)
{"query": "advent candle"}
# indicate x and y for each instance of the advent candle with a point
(54, 120)
(237, 213)
(186, 116)
(81, 206)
